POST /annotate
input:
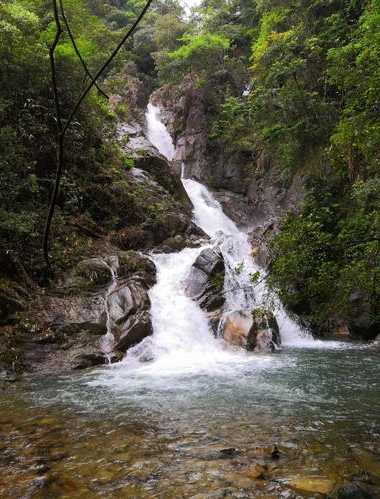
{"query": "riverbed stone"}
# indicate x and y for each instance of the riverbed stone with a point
(353, 491)
(312, 484)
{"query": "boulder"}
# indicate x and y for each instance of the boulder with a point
(135, 330)
(74, 324)
(90, 275)
(255, 330)
(133, 263)
(206, 280)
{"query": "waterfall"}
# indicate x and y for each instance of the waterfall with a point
(182, 337)
(157, 132)
(240, 291)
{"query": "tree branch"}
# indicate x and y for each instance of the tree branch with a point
(106, 64)
(59, 137)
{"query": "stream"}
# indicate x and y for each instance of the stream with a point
(184, 415)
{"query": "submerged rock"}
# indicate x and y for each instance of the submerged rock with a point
(312, 484)
(353, 491)
(255, 330)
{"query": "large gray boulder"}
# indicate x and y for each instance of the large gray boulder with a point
(205, 281)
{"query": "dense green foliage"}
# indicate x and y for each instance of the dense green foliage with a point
(28, 118)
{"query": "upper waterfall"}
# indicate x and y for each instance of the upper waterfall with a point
(157, 132)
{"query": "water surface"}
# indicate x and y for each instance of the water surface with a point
(119, 432)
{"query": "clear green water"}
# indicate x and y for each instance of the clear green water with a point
(117, 433)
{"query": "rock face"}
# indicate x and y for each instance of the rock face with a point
(74, 321)
(255, 330)
(205, 283)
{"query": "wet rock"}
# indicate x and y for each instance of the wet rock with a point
(76, 328)
(255, 471)
(259, 239)
(255, 330)
(173, 244)
(206, 280)
(342, 330)
(135, 264)
(135, 330)
(127, 299)
(229, 452)
(87, 357)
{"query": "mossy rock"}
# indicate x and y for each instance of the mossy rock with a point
(89, 275)
(12, 299)
(131, 238)
(95, 270)
(132, 263)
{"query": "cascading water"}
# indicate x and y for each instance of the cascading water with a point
(183, 345)
(239, 289)
(240, 268)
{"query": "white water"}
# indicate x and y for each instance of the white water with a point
(240, 267)
(182, 342)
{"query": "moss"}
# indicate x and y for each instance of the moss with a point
(94, 270)
(217, 281)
